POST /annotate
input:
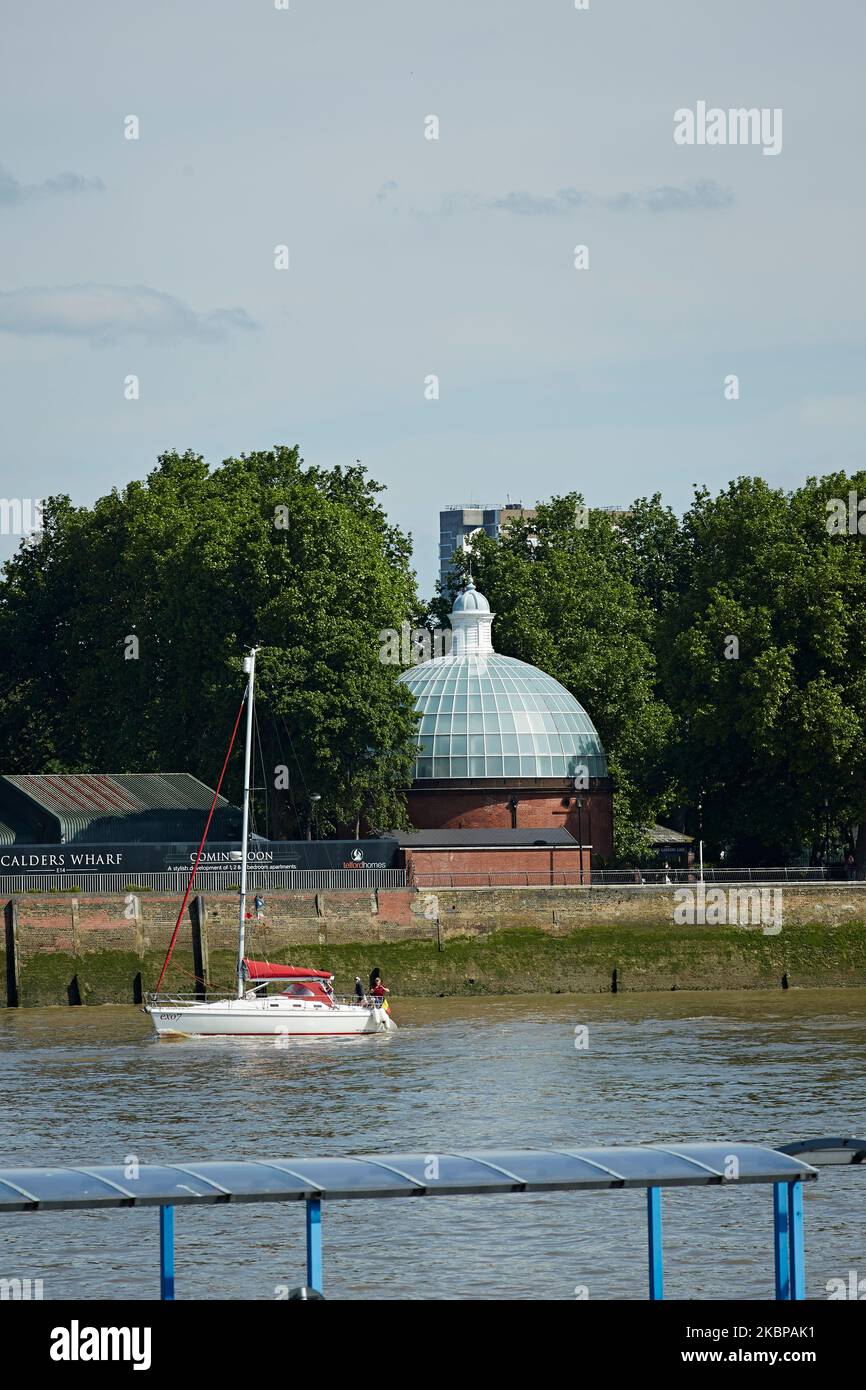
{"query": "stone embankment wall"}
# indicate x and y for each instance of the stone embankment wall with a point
(86, 949)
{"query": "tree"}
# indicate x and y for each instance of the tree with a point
(765, 664)
(128, 620)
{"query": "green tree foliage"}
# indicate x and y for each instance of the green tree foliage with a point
(776, 735)
(198, 565)
(635, 614)
(721, 657)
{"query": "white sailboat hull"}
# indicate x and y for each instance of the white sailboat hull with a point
(265, 1017)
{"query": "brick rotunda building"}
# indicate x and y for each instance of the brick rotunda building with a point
(502, 745)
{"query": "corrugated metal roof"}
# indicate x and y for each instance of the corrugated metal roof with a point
(80, 803)
(663, 835)
(7, 834)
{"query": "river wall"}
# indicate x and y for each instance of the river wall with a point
(86, 949)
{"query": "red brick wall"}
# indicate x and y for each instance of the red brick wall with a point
(459, 868)
(471, 808)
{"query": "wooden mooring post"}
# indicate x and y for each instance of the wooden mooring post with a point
(13, 960)
(200, 960)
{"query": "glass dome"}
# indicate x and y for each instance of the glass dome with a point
(486, 715)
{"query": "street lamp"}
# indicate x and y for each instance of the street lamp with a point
(315, 797)
(578, 801)
(701, 833)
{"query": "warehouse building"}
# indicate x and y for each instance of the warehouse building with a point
(110, 808)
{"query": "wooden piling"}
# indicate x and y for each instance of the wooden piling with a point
(13, 960)
(200, 959)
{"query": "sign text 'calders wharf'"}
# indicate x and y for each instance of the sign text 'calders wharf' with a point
(162, 858)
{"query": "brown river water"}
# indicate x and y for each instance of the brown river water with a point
(91, 1085)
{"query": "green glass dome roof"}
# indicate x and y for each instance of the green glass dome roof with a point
(486, 715)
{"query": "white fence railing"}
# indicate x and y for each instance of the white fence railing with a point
(611, 878)
(205, 881)
(225, 880)
(713, 874)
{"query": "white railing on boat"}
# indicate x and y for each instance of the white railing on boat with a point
(166, 1001)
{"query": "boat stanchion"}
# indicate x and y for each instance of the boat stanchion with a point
(166, 1253)
(314, 1243)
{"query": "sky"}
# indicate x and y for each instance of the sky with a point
(410, 257)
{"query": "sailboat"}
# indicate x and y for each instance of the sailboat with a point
(305, 1006)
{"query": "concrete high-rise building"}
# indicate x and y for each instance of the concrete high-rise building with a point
(457, 526)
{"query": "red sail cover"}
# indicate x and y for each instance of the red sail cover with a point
(262, 970)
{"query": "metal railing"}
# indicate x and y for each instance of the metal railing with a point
(205, 881)
(601, 878)
(712, 874)
(167, 998)
(225, 880)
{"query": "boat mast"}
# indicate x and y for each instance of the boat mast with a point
(250, 669)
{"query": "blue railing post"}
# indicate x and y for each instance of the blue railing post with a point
(781, 1240)
(796, 1243)
(166, 1252)
(654, 1242)
(314, 1243)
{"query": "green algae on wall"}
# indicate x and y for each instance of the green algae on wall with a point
(517, 960)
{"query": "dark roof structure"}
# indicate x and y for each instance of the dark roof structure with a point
(662, 836)
(529, 837)
(110, 808)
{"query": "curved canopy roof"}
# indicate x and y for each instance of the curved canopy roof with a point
(398, 1175)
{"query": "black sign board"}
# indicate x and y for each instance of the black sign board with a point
(132, 859)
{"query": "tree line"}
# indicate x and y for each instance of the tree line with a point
(721, 655)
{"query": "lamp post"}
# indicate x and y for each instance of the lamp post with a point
(315, 798)
(578, 801)
(701, 834)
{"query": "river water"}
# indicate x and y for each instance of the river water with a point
(90, 1085)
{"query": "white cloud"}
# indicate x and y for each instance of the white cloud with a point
(13, 192)
(701, 195)
(104, 313)
(846, 411)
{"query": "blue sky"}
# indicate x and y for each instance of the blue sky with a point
(408, 257)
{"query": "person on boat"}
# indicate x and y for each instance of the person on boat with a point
(359, 989)
(378, 993)
(375, 974)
